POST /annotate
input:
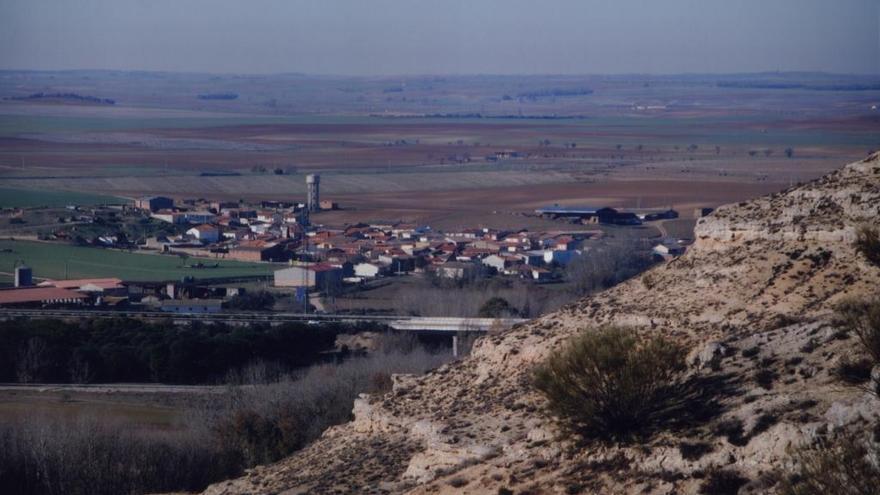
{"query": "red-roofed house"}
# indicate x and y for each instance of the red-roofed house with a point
(40, 295)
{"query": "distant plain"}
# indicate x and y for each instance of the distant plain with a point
(416, 148)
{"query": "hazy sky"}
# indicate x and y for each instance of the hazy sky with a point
(442, 36)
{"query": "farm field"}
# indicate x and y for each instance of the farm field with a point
(64, 404)
(54, 261)
(27, 198)
(424, 148)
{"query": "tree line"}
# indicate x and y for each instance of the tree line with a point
(129, 350)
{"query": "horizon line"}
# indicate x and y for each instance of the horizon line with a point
(455, 74)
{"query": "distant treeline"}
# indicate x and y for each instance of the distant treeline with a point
(544, 93)
(812, 87)
(476, 115)
(219, 174)
(130, 350)
(65, 96)
(218, 96)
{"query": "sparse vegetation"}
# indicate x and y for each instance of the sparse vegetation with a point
(611, 383)
(846, 465)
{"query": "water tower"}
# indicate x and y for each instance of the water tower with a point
(313, 182)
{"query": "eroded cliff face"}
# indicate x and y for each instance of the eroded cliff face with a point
(763, 275)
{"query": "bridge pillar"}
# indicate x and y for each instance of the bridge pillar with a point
(455, 346)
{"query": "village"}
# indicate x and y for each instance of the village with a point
(309, 260)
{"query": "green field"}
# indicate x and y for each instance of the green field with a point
(56, 260)
(26, 198)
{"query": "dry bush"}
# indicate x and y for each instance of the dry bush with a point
(722, 482)
(845, 466)
(693, 451)
(853, 371)
(868, 243)
(863, 319)
(608, 383)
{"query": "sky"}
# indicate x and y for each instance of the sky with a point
(397, 37)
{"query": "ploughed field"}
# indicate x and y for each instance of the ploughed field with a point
(417, 149)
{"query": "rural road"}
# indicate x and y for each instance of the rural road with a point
(110, 388)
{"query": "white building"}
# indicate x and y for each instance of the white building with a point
(205, 233)
(367, 270)
(496, 262)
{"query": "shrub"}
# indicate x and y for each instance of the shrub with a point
(734, 430)
(765, 378)
(868, 243)
(853, 371)
(863, 319)
(844, 466)
(723, 482)
(458, 482)
(497, 307)
(609, 383)
(751, 352)
(694, 451)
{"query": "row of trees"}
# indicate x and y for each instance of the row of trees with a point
(126, 350)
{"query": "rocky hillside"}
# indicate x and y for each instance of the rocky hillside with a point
(754, 298)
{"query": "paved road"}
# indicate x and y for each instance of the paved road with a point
(111, 388)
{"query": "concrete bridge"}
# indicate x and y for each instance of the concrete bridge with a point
(431, 325)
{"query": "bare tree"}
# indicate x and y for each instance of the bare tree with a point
(606, 265)
(32, 360)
